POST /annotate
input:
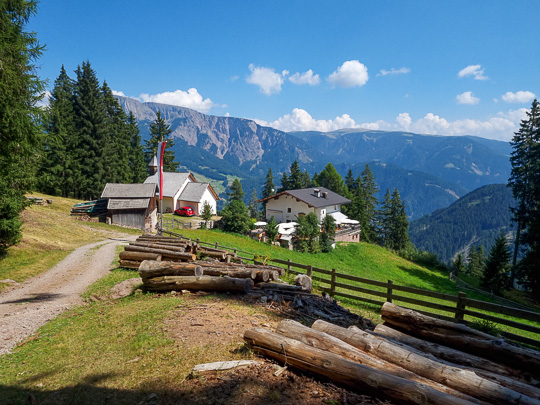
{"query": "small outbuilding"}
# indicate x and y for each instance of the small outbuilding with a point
(132, 205)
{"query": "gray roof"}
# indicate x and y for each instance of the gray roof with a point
(193, 192)
(172, 182)
(128, 204)
(114, 190)
(310, 196)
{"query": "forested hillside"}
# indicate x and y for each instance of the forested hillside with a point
(477, 218)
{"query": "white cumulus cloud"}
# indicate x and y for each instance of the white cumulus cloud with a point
(467, 98)
(500, 127)
(268, 81)
(190, 99)
(518, 97)
(394, 71)
(45, 99)
(350, 74)
(473, 70)
(118, 93)
(305, 78)
(300, 120)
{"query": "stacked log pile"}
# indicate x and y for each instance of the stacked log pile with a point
(404, 369)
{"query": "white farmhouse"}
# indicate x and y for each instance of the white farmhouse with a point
(290, 204)
(183, 190)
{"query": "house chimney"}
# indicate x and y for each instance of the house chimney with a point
(317, 192)
(325, 194)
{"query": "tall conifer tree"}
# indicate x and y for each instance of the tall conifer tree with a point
(138, 168)
(160, 131)
(20, 133)
(370, 190)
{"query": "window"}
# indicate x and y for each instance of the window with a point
(288, 210)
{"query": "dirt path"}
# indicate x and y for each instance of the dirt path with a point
(25, 308)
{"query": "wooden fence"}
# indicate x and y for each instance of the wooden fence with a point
(377, 292)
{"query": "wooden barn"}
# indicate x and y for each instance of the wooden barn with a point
(132, 205)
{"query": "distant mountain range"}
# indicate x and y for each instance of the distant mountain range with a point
(429, 171)
(476, 218)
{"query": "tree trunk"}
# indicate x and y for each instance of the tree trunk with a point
(359, 377)
(324, 341)
(150, 268)
(453, 355)
(218, 271)
(130, 264)
(279, 287)
(460, 379)
(172, 248)
(492, 371)
(213, 254)
(463, 338)
(165, 253)
(203, 283)
(303, 281)
(139, 256)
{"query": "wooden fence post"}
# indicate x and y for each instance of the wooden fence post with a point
(289, 266)
(217, 244)
(390, 291)
(309, 271)
(460, 307)
(333, 283)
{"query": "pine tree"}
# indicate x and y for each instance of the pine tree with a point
(328, 234)
(206, 213)
(370, 190)
(331, 179)
(268, 189)
(235, 217)
(496, 275)
(399, 237)
(138, 168)
(20, 132)
(116, 147)
(284, 182)
(307, 233)
(236, 192)
(306, 179)
(350, 182)
(253, 208)
(271, 230)
(458, 265)
(295, 177)
(525, 183)
(384, 220)
(160, 131)
(92, 133)
(56, 175)
(476, 261)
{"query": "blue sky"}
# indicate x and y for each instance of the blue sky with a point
(449, 68)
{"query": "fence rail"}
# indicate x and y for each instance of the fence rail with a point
(457, 306)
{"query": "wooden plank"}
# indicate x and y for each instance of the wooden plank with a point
(502, 309)
(521, 339)
(223, 365)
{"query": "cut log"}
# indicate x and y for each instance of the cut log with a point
(279, 287)
(303, 281)
(130, 264)
(163, 252)
(453, 355)
(343, 371)
(151, 268)
(458, 378)
(210, 253)
(222, 365)
(218, 271)
(139, 256)
(463, 338)
(204, 283)
(172, 248)
(324, 341)
(521, 384)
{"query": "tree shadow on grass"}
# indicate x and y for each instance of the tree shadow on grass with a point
(254, 385)
(39, 297)
(431, 281)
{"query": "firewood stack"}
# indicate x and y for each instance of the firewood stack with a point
(167, 264)
(404, 369)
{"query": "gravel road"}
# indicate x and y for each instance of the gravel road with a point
(25, 308)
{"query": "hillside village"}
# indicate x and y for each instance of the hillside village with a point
(165, 249)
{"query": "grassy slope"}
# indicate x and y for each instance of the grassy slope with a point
(49, 235)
